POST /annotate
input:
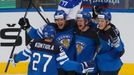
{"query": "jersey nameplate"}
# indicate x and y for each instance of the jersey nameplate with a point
(44, 47)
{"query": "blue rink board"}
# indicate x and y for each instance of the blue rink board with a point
(52, 10)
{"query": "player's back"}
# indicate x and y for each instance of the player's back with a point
(43, 59)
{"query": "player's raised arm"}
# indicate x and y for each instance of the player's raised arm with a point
(71, 7)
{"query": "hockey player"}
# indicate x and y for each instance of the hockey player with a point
(97, 8)
(71, 7)
(64, 35)
(108, 60)
(87, 40)
(45, 55)
(64, 30)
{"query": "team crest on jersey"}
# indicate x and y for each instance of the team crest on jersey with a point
(79, 47)
(65, 41)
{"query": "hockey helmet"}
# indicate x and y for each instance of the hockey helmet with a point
(60, 14)
(105, 15)
(85, 15)
(48, 32)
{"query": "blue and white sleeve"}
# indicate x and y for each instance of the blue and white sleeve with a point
(23, 55)
(117, 51)
(67, 64)
(35, 33)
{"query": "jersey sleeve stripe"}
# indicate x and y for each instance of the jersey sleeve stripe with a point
(27, 49)
(62, 62)
(25, 53)
(62, 56)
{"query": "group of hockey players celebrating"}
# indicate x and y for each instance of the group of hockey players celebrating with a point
(77, 43)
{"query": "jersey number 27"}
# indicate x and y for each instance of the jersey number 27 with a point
(37, 55)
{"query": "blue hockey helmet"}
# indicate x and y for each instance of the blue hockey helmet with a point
(48, 32)
(105, 15)
(60, 14)
(85, 15)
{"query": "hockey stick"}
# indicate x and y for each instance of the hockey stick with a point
(13, 49)
(97, 51)
(43, 12)
(39, 13)
(41, 9)
(95, 54)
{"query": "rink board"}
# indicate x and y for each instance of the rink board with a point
(21, 68)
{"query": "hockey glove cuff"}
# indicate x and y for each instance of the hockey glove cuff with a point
(88, 67)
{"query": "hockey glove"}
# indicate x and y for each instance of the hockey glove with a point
(24, 23)
(114, 36)
(88, 66)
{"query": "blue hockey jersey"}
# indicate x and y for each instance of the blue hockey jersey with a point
(64, 37)
(109, 56)
(45, 57)
(86, 44)
(69, 3)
